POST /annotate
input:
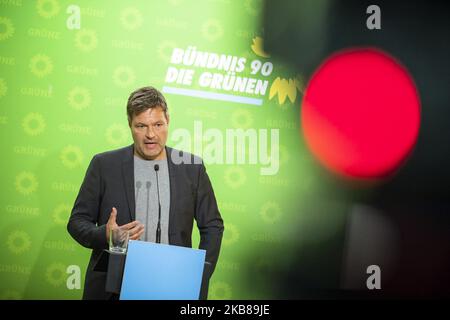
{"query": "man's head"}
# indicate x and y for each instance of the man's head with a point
(148, 119)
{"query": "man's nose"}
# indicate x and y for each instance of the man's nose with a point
(150, 132)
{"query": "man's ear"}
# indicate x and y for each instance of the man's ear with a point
(129, 122)
(167, 118)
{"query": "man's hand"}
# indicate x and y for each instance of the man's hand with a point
(111, 224)
(135, 228)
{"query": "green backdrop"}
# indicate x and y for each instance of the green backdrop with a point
(63, 96)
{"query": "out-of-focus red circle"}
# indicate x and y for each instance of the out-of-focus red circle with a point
(361, 113)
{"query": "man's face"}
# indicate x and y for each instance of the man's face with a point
(149, 130)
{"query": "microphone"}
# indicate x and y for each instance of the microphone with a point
(148, 185)
(138, 188)
(158, 228)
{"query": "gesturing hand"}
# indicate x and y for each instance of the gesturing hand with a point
(111, 224)
(135, 228)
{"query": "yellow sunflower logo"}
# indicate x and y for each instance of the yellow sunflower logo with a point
(33, 124)
(6, 28)
(258, 47)
(18, 242)
(235, 177)
(131, 19)
(71, 156)
(281, 86)
(124, 76)
(41, 65)
(285, 88)
(212, 30)
(116, 134)
(241, 118)
(26, 183)
(79, 98)
(86, 40)
(270, 212)
(47, 8)
(230, 235)
(56, 274)
(61, 214)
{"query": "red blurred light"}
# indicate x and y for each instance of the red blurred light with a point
(361, 113)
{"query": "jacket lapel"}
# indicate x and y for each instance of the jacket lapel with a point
(128, 178)
(173, 190)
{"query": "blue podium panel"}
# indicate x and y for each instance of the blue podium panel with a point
(162, 272)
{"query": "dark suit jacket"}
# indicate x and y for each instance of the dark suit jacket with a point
(109, 182)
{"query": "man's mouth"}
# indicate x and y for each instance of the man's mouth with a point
(150, 145)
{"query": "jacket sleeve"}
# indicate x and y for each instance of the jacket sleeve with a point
(83, 220)
(209, 221)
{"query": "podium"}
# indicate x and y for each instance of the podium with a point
(112, 264)
(151, 271)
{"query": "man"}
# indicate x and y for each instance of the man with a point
(119, 189)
